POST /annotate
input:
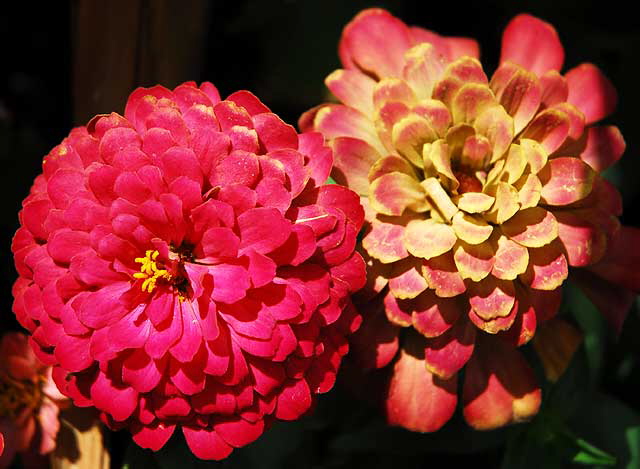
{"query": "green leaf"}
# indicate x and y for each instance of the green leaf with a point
(589, 454)
(592, 324)
(612, 426)
(549, 443)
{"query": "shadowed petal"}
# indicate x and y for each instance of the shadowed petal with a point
(445, 355)
(591, 92)
(499, 387)
(417, 399)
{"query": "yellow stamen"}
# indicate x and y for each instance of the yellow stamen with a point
(149, 271)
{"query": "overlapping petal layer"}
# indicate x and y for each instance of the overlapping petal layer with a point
(183, 266)
(481, 194)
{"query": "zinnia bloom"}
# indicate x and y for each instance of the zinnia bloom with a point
(184, 266)
(479, 195)
(29, 401)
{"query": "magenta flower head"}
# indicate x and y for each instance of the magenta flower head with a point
(480, 194)
(184, 266)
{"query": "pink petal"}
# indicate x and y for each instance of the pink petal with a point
(376, 342)
(520, 94)
(620, 264)
(273, 133)
(549, 127)
(491, 298)
(445, 355)
(583, 241)
(406, 280)
(433, 316)
(449, 47)
(565, 180)
(73, 353)
(442, 276)
(335, 120)
(591, 92)
(375, 41)
(249, 101)
(353, 160)
(237, 432)
(532, 43)
(263, 229)
(117, 400)
(352, 88)
(142, 372)
(385, 241)
(206, 443)
(604, 147)
(499, 388)
(417, 399)
(313, 145)
(293, 401)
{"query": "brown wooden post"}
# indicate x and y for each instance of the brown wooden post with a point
(121, 44)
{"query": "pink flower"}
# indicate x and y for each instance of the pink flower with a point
(184, 266)
(29, 401)
(479, 195)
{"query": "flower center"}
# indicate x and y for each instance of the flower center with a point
(15, 396)
(172, 273)
(150, 272)
(468, 182)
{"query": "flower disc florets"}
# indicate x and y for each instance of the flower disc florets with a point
(184, 266)
(480, 193)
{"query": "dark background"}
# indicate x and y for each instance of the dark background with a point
(64, 62)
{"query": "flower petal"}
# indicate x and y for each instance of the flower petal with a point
(556, 342)
(393, 193)
(511, 259)
(417, 399)
(376, 42)
(353, 160)
(491, 298)
(532, 227)
(385, 241)
(533, 44)
(565, 180)
(604, 147)
(445, 355)
(548, 267)
(206, 443)
(353, 88)
(499, 388)
(428, 239)
(442, 276)
(591, 92)
(549, 127)
(518, 91)
(431, 315)
(405, 279)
